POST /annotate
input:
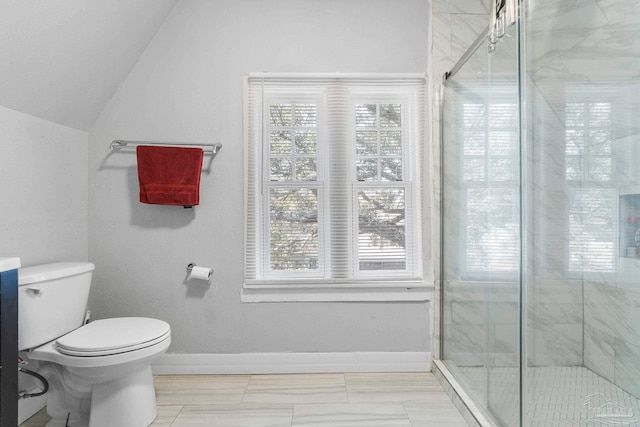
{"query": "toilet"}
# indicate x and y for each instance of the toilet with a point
(99, 373)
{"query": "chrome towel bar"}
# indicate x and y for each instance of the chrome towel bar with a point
(119, 144)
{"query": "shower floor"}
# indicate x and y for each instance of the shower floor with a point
(558, 396)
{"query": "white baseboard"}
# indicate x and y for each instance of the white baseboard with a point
(287, 363)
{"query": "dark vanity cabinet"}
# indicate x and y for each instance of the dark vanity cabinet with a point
(9, 343)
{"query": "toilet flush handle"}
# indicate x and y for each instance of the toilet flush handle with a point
(36, 291)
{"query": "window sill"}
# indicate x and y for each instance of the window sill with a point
(361, 292)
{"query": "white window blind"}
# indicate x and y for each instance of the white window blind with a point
(334, 170)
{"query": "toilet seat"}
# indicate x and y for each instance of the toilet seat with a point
(113, 336)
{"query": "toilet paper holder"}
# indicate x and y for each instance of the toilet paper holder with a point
(201, 273)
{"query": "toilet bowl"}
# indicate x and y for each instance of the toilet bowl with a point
(99, 373)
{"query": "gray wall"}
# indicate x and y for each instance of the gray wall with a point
(43, 171)
(44, 208)
(187, 86)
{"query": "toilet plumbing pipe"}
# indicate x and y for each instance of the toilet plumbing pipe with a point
(45, 385)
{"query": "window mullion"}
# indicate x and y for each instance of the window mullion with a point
(339, 191)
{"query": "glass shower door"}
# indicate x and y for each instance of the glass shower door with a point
(481, 198)
(583, 293)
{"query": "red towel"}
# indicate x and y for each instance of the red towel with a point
(169, 175)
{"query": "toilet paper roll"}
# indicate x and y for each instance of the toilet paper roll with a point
(201, 273)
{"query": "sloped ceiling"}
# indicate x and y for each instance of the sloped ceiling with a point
(62, 60)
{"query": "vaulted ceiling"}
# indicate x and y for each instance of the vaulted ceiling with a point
(62, 60)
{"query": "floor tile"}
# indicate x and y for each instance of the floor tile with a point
(462, 423)
(323, 400)
(242, 415)
(393, 387)
(434, 414)
(200, 389)
(296, 388)
(166, 415)
(348, 415)
(560, 396)
(39, 419)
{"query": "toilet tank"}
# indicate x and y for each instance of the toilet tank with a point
(52, 301)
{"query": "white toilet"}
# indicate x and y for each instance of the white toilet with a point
(99, 373)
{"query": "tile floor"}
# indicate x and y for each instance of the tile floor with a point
(297, 400)
(566, 396)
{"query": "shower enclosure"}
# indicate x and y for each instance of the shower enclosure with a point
(540, 187)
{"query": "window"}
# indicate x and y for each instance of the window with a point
(334, 169)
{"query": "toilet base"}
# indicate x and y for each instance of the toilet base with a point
(127, 401)
(101, 391)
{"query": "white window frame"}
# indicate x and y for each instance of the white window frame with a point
(319, 184)
(263, 285)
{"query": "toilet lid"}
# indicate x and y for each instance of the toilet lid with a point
(112, 336)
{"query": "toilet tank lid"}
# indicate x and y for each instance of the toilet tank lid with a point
(55, 270)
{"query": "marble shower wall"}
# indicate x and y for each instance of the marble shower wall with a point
(612, 300)
(455, 26)
(611, 334)
(584, 55)
(554, 294)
